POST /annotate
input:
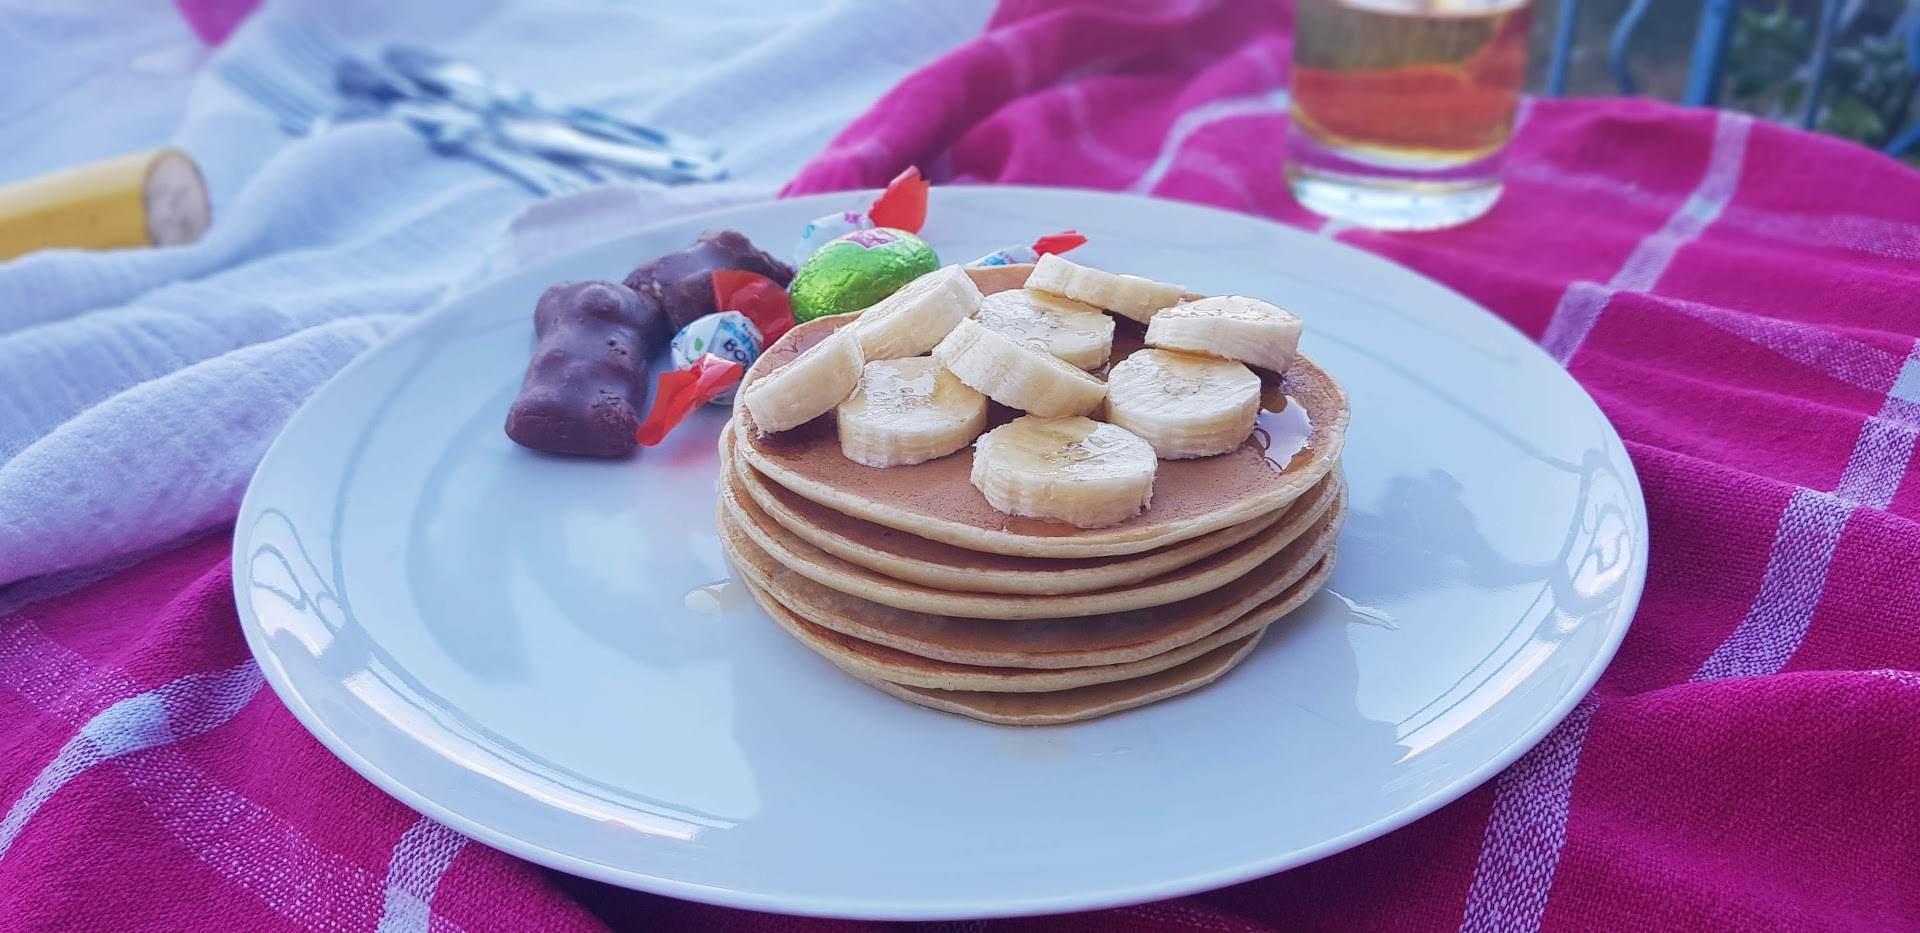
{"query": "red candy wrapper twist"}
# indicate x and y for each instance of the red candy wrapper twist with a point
(1057, 243)
(683, 390)
(903, 206)
(761, 299)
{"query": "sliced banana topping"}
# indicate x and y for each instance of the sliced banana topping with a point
(910, 321)
(1185, 405)
(1017, 375)
(1075, 332)
(908, 411)
(1073, 470)
(808, 387)
(1252, 331)
(1126, 295)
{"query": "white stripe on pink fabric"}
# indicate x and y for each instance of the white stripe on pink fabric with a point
(1527, 831)
(1858, 233)
(243, 841)
(1808, 534)
(1199, 163)
(1790, 589)
(189, 706)
(1199, 118)
(1509, 892)
(1520, 852)
(419, 860)
(1582, 304)
(1857, 364)
(1080, 128)
(1019, 58)
(59, 682)
(1903, 678)
(1879, 461)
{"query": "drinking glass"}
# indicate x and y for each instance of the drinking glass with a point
(1402, 109)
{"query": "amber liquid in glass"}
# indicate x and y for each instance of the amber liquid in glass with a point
(1409, 86)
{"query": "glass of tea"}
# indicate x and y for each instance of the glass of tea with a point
(1402, 109)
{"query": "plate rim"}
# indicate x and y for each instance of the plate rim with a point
(885, 909)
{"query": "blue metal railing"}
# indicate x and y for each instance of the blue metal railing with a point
(1711, 39)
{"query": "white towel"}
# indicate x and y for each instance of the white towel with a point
(139, 388)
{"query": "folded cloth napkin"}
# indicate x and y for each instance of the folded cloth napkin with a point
(139, 388)
(1737, 296)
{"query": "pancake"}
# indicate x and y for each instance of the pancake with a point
(1046, 644)
(1082, 703)
(869, 661)
(913, 559)
(1198, 577)
(937, 500)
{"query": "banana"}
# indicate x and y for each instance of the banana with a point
(1075, 332)
(1184, 404)
(910, 321)
(1017, 375)
(155, 197)
(1074, 470)
(808, 387)
(1245, 329)
(1126, 295)
(908, 411)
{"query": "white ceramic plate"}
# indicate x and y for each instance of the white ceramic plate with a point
(534, 651)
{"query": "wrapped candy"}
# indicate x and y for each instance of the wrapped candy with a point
(857, 270)
(1020, 255)
(728, 335)
(683, 390)
(710, 354)
(821, 230)
(763, 300)
(902, 206)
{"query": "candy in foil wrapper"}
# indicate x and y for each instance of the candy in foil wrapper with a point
(853, 272)
(727, 335)
(824, 229)
(1011, 256)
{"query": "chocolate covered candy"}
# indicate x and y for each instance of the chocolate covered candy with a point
(855, 271)
(585, 386)
(682, 282)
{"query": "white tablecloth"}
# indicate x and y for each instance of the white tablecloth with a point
(139, 388)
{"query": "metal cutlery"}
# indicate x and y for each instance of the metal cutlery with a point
(462, 110)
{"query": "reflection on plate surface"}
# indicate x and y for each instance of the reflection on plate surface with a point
(547, 654)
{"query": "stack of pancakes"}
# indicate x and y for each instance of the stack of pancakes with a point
(908, 580)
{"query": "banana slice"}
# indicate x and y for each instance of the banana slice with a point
(1017, 375)
(1075, 332)
(1125, 295)
(1245, 329)
(808, 387)
(910, 321)
(1183, 404)
(908, 411)
(1073, 470)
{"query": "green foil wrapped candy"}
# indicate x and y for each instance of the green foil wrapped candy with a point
(853, 272)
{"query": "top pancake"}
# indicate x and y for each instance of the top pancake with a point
(937, 499)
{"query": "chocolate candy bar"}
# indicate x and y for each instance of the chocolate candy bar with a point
(682, 282)
(588, 378)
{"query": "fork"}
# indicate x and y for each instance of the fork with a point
(301, 113)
